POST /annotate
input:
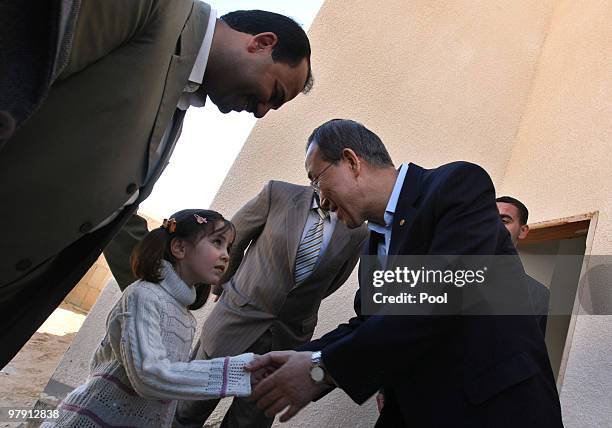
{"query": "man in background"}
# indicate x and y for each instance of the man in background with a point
(514, 215)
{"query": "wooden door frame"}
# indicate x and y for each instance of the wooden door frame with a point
(567, 228)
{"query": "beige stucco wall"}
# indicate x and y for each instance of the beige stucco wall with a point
(83, 296)
(561, 166)
(438, 81)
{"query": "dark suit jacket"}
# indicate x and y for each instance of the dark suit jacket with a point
(540, 298)
(446, 371)
(260, 293)
(88, 148)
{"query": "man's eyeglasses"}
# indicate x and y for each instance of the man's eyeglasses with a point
(314, 183)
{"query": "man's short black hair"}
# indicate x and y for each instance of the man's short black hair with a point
(338, 134)
(522, 209)
(293, 44)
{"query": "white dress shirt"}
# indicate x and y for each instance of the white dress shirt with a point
(190, 95)
(383, 247)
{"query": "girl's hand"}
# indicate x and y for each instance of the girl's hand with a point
(259, 375)
(380, 401)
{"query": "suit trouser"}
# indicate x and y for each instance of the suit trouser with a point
(118, 251)
(241, 414)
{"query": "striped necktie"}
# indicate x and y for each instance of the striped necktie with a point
(309, 248)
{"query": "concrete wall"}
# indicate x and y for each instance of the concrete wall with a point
(84, 295)
(438, 81)
(560, 166)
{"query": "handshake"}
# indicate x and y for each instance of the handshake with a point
(281, 380)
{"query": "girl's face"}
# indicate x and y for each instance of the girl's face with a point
(207, 260)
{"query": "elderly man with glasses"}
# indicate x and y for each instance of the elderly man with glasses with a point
(467, 367)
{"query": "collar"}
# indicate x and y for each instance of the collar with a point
(322, 212)
(175, 286)
(392, 203)
(197, 72)
(190, 96)
(315, 203)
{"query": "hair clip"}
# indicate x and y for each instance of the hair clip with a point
(200, 219)
(169, 225)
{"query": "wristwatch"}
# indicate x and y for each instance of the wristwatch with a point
(317, 372)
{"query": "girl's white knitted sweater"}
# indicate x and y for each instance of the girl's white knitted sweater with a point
(141, 366)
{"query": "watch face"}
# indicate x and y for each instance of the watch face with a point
(317, 374)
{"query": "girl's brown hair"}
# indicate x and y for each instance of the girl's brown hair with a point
(191, 225)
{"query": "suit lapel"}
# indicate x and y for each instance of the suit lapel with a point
(296, 220)
(336, 246)
(405, 210)
(188, 45)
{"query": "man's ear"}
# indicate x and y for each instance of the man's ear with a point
(177, 248)
(524, 231)
(262, 41)
(353, 160)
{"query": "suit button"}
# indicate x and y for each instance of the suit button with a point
(85, 227)
(7, 125)
(131, 188)
(24, 264)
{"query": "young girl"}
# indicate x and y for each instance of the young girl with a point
(141, 366)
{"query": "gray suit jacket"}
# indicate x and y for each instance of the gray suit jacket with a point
(261, 293)
(89, 147)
